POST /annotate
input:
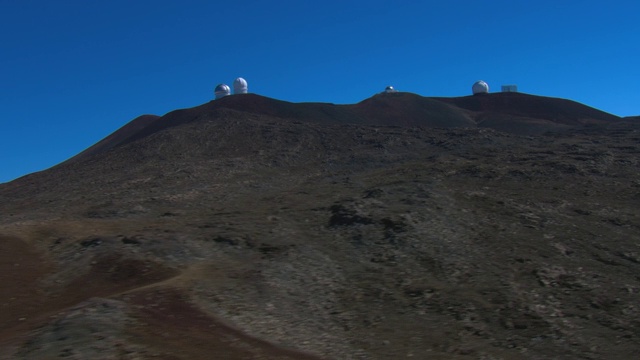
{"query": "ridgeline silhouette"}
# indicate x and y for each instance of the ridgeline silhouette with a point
(491, 226)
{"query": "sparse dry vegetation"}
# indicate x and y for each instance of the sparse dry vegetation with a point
(249, 235)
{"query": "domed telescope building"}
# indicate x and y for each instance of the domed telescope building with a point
(390, 89)
(240, 86)
(221, 91)
(480, 87)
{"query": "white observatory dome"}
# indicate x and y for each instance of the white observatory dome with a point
(221, 91)
(480, 87)
(390, 89)
(240, 86)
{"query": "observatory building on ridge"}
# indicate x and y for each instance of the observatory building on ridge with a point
(389, 89)
(480, 87)
(509, 88)
(240, 86)
(221, 91)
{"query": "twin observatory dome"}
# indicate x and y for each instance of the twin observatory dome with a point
(240, 87)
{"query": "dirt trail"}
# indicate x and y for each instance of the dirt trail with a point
(168, 325)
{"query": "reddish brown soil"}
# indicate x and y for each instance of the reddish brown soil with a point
(168, 323)
(29, 301)
(227, 233)
(23, 302)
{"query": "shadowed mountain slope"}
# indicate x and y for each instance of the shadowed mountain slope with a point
(526, 114)
(222, 232)
(401, 109)
(118, 137)
(561, 111)
(407, 109)
(509, 112)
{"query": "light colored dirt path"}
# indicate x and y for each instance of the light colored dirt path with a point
(168, 325)
(175, 329)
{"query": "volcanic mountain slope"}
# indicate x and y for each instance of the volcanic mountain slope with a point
(509, 112)
(239, 235)
(528, 114)
(537, 107)
(118, 137)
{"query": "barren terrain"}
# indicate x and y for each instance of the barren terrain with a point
(249, 228)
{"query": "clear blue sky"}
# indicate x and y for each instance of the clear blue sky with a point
(73, 71)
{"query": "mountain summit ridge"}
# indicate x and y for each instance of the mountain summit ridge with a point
(510, 112)
(251, 228)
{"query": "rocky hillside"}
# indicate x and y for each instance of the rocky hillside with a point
(508, 112)
(319, 231)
